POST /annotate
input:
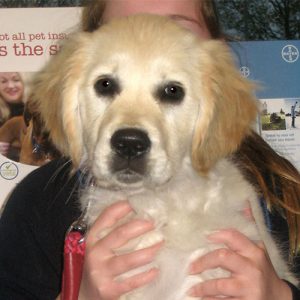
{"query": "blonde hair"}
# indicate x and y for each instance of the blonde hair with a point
(5, 110)
(276, 179)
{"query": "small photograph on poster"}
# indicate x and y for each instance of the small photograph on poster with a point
(29, 37)
(280, 126)
(14, 87)
(22, 138)
(280, 114)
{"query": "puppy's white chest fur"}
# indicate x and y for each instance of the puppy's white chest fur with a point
(185, 211)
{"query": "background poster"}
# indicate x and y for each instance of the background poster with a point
(275, 66)
(28, 38)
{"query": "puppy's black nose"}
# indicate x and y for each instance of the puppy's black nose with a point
(130, 143)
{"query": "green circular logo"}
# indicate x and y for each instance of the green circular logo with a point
(9, 170)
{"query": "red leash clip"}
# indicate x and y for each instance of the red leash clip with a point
(74, 250)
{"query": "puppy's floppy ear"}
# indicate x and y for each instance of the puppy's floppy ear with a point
(55, 94)
(228, 107)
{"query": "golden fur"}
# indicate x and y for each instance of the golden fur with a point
(185, 181)
(13, 131)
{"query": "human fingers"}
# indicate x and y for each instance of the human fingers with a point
(245, 278)
(252, 273)
(107, 220)
(102, 268)
(116, 289)
(253, 253)
(123, 263)
(225, 287)
(138, 280)
(110, 216)
(122, 234)
(220, 258)
(236, 241)
(240, 250)
(261, 284)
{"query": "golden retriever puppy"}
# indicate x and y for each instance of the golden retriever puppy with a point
(152, 114)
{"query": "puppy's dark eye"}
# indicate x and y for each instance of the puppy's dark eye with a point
(171, 92)
(107, 86)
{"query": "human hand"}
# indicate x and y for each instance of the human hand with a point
(4, 147)
(252, 274)
(102, 265)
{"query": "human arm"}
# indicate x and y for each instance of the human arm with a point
(252, 274)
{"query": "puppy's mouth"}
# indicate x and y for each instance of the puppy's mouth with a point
(128, 176)
(130, 147)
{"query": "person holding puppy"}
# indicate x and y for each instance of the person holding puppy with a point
(44, 205)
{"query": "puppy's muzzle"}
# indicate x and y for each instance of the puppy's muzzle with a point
(130, 147)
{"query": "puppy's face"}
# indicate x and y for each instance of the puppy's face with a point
(137, 108)
(138, 99)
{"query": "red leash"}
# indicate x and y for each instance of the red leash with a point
(74, 250)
